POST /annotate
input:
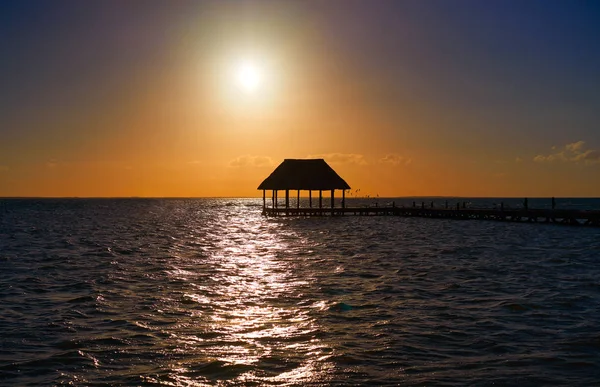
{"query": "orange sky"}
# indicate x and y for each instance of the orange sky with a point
(162, 116)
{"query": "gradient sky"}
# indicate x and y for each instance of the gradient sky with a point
(402, 98)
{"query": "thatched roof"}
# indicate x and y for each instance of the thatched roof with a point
(304, 174)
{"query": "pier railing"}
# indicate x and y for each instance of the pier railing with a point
(555, 216)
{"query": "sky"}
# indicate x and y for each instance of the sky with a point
(401, 97)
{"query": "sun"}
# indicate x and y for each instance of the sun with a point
(248, 76)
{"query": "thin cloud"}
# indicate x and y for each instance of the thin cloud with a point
(573, 152)
(589, 156)
(251, 161)
(341, 158)
(574, 146)
(395, 159)
(51, 164)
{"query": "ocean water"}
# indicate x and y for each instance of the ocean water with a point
(202, 292)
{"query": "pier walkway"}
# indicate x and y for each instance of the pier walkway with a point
(556, 216)
(316, 175)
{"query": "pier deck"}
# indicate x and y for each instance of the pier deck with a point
(556, 216)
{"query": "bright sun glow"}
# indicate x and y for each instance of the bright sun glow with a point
(248, 77)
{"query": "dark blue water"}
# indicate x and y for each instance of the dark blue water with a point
(208, 292)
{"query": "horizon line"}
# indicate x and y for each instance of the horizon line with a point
(324, 197)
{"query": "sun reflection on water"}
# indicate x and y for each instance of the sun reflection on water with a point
(248, 322)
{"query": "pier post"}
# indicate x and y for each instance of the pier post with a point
(310, 198)
(422, 205)
(320, 199)
(458, 206)
(264, 199)
(332, 200)
(287, 198)
(343, 198)
(298, 200)
(446, 204)
(276, 204)
(273, 199)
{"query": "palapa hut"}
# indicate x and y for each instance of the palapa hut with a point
(303, 175)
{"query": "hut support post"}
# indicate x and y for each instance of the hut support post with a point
(310, 198)
(320, 199)
(298, 200)
(264, 199)
(287, 198)
(276, 199)
(332, 201)
(343, 198)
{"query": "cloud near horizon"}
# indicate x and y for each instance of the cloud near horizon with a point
(574, 152)
(395, 159)
(52, 163)
(341, 158)
(575, 146)
(251, 161)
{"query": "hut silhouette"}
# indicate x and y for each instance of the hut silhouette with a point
(303, 175)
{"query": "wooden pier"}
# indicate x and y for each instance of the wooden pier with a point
(316, 175)
(551, 216)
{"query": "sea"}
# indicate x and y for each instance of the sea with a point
(208, 292)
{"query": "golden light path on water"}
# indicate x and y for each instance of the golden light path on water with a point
(249, 322)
